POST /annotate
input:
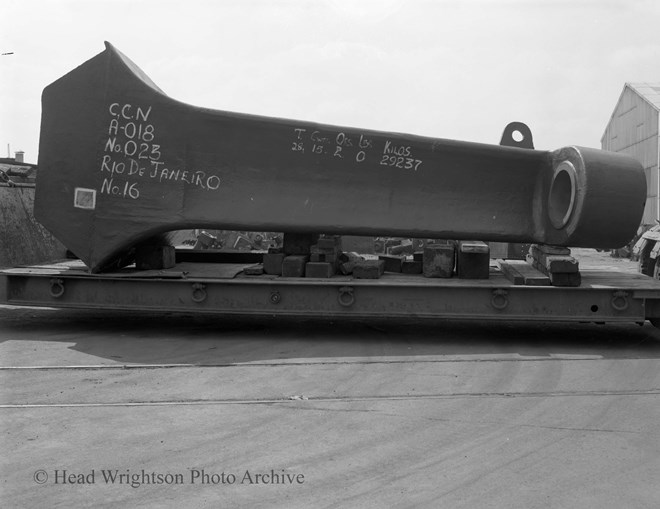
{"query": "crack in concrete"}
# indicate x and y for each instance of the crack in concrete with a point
(305, 363)
(344, 399)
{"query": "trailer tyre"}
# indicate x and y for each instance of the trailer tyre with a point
(656, 269)
(647, 265)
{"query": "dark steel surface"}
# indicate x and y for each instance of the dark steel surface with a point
(120, 161)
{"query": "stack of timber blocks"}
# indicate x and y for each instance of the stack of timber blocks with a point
(348, 262)
(304, 255)
(392, 263)
(369, 269)
(404, 248)
(439, 259)
(471, 259)
(273, 261)
(155, 257)
(557, 263)
(414, 266)
(290, 259)
(324, 257)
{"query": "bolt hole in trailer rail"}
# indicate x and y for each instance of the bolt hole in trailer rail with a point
(368, 223)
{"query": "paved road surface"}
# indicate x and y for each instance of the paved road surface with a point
(319, 414)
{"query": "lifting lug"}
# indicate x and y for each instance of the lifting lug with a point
(620, 300)
(198, 292)
(346, 296)
(499, 299)
(56, 288)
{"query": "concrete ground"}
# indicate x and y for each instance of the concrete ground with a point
(146, 410)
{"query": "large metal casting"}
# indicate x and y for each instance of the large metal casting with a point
(120, 162)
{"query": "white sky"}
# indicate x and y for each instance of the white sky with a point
(447, 69)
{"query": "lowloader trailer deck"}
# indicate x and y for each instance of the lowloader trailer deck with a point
(211, 287)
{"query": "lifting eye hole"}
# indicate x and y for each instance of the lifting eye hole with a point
(518, 135)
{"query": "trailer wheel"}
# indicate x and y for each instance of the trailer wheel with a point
(656, 269)
(646, 263)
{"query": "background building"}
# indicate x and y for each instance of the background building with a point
(633, 130)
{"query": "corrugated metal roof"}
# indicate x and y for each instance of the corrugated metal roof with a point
(649, 91)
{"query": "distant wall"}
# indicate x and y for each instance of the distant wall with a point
(22, 239)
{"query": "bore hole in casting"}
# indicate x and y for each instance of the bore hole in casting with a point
(562, 195)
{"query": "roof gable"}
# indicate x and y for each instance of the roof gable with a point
(647, 92)
(650, 92)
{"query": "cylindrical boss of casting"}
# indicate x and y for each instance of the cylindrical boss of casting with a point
(591, 198)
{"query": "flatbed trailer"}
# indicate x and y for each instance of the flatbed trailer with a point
(215, 283)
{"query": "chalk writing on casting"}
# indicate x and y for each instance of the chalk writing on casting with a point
(132, 156)
(354, 147)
